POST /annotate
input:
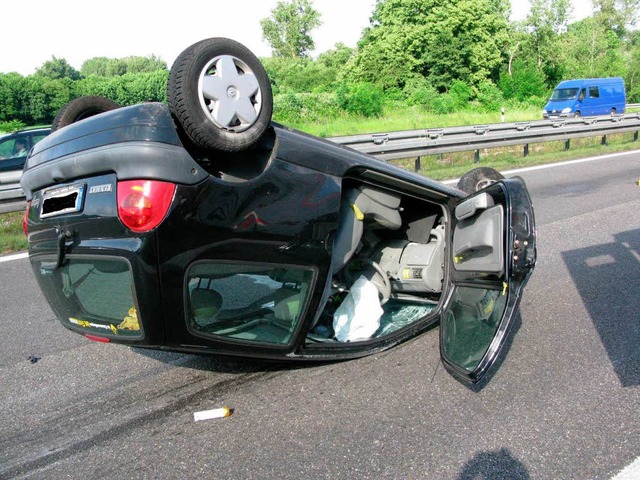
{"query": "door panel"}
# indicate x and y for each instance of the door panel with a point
(493, 253)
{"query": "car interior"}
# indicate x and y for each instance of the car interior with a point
(396, 242)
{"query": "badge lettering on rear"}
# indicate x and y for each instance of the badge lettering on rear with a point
(100, 188)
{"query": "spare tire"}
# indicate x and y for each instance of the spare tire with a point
(81, 108)
(220, 94)
(478, 178)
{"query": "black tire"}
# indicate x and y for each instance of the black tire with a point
(240, 115)
(81, 108)
(577, 114)
(478, 178)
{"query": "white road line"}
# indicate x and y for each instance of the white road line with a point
(631, 472)
(17, 256)
(553, 165)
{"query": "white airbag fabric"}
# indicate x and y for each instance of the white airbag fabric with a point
(358, 316)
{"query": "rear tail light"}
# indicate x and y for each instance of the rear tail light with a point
(95, 338)
(25, 219)
(143, 204)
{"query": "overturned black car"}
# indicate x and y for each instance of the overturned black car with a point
(204, 227)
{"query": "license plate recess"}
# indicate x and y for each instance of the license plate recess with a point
(62, 200)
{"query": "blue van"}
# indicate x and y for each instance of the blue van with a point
(585, 97)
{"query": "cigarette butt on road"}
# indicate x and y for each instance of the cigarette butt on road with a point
(215, 413)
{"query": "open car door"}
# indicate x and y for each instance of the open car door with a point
(493, 252)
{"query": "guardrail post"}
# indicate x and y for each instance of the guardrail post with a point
(567, 144)
(526, 149)
(417, 164)
(604, 140)
(635, 136)
(476, 156)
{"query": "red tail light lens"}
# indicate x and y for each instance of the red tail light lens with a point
(143, 204)
(97, 339)
(25, 219)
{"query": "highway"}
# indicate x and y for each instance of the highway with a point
(563, 403)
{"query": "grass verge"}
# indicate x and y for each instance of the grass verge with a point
(412, 118)
(453, 165)
(12, 238)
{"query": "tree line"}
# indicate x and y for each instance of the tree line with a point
(439, 55)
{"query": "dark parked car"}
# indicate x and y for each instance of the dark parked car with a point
(203, 227)
(15, 146)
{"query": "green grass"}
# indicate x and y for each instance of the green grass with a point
(12, 238)
(442, 167)
(412, 118)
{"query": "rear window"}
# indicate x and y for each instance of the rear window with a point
(255, 303)
(93, 295)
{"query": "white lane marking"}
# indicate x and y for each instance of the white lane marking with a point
(630, 472)
(553, 165)
(17, 256)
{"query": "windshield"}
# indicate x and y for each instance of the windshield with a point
(560, 94)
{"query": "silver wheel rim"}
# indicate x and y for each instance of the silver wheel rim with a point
(229, 93)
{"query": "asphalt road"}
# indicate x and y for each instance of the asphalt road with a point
(563, 404)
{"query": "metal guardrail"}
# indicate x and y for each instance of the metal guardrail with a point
(433, 141)
(416, 143)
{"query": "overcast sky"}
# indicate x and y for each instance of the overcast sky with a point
(35, 30)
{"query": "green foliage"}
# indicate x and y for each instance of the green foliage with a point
(57, 68)
(13, 92)
(299, 75)
(288, 28)
(489, 98)
(632, 78)
(440, 40)
(419, 91)
(588, 49)
(12, 126)
(127, 89)
(460, 93)
(617, 16)
(526, 81)
(443, 104)
(111, 67)
(363, 99)
(538, 38)
(305, 107)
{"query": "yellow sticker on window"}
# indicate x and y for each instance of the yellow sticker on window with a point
(130, 322)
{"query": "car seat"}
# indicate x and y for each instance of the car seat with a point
(376, 208)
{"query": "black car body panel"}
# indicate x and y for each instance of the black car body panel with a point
(256, 231)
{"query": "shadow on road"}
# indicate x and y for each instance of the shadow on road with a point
(608, 279)
(490, 465)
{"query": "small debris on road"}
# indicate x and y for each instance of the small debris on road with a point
(215, 413)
